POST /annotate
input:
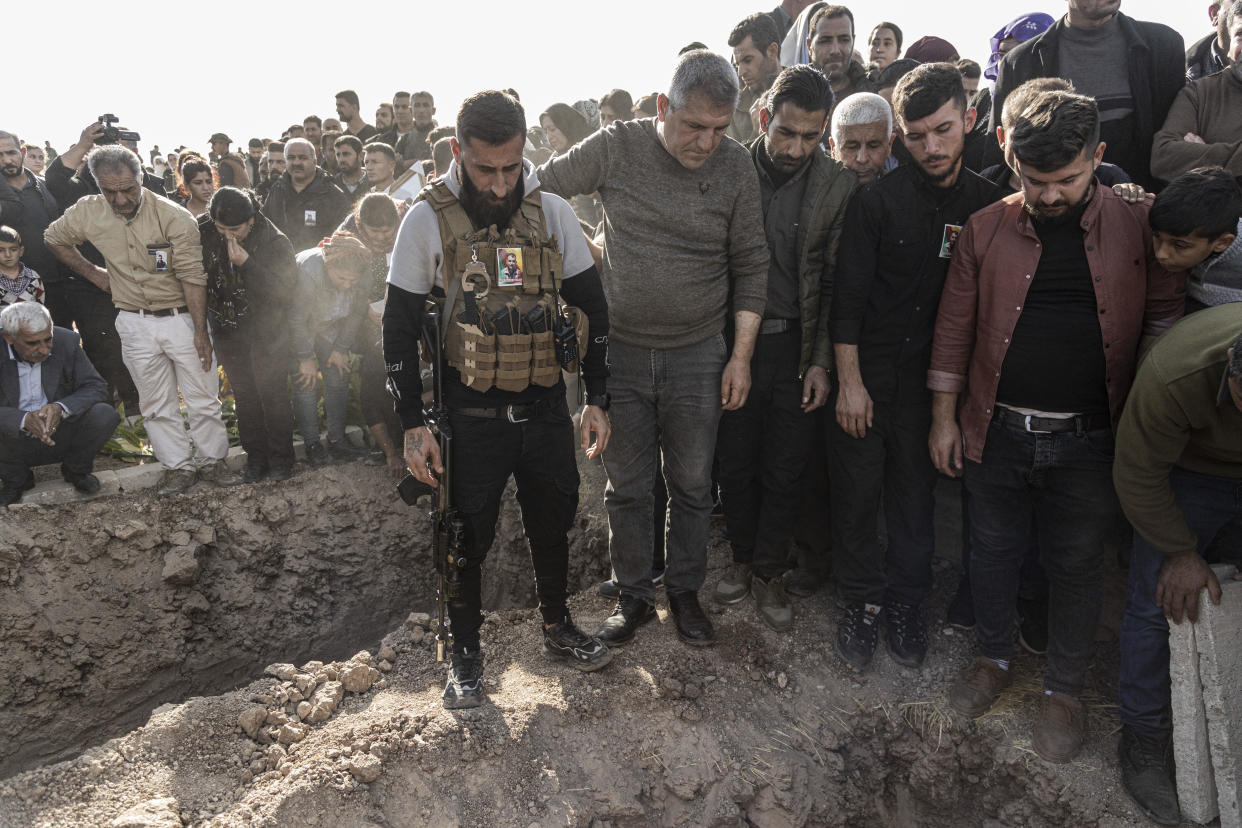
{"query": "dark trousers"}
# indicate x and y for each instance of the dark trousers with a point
(78, 440)
(539, 454)
(813, 533)
(77, 302)
(1207, 503)
(373, 396)
(259, 378)
(761, 450)
(1062, 484)
(1032, 582)
(891, 462)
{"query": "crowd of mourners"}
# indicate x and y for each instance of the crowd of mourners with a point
(800, 287)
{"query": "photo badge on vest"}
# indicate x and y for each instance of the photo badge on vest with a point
(159, 254)
(951, 232)
(509, 266)
(310, 218)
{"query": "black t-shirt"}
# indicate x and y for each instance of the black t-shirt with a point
(1055, 361)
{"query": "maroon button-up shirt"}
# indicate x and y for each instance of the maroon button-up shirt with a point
(995, 259)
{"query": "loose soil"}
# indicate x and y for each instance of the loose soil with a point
(325, 579)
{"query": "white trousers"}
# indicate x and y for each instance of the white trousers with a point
(159, 353)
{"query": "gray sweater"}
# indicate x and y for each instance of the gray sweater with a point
(679, 245)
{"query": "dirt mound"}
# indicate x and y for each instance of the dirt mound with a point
(763, 730)
(112, 608)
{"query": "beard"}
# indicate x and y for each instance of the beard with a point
(10, 170)
(1040, 215)
(484, 209)
(951, 170)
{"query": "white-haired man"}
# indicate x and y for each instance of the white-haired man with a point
(53, 403)
(154, 271)
(862, 135)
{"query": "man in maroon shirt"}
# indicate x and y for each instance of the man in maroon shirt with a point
(1050, 296)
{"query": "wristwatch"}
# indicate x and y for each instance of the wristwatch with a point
(600, 401)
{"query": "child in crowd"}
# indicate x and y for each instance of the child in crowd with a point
(1196, 226)
(18, 283)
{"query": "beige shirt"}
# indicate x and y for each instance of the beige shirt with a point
(147, 257)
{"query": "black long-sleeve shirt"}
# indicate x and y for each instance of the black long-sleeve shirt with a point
(891, 266)
(403, 327)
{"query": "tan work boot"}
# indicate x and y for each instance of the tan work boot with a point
(1059, 731)
(735, 585)
(772, 604)
(219, 474)
(174, 481)
(980, 685)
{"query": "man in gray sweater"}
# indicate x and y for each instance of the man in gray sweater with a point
(683, 239)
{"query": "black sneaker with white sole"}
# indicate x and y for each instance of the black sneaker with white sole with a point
(464, 688)
(563, 641)
(857, 634)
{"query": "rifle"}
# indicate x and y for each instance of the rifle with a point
(448, 530)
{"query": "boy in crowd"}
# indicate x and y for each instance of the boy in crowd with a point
(18, 283)
(1195, 227)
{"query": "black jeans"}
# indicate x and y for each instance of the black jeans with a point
(78, 440)
(761, 450)
(75, 301)
(259, 377)
(1062, 485)
(891, 461)
(539, 454)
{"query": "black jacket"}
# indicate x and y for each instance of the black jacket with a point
(1202, 59)
(266, 281)
(309, 216)
(1157, 69)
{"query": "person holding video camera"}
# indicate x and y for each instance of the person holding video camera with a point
(501, 375)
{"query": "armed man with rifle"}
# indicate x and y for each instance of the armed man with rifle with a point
(500, 407)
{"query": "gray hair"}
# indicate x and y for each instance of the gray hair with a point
(297, 142)
(861, 108)
(114, 158)
(16, 141)
(701, 73)
(29, 315)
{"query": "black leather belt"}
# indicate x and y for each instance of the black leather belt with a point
(164, 312)
(516, 413)
(775, 326)
(1050, 425)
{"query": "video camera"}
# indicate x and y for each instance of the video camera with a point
(114, 135)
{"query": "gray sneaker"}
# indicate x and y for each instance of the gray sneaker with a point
(735, 585)
(175, 481)
(772, 603)
(219, 474)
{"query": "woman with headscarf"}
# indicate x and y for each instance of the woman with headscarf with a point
(1016, 31)
(250, 279)
(564, 126)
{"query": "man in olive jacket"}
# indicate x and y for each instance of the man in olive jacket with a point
(762, 447)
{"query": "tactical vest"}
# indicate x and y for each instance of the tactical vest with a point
(500, 335)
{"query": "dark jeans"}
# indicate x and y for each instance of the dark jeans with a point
(1062, 485)
(77, 302)
(78, 440)
(1032, 582)
(892, 461)
(761, 450)
(539, 454)
(1207, 503)
(665, 400)
(259, 378)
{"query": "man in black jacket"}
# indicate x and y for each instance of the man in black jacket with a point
(304, 204)
(1209, 54)
(1134, 70)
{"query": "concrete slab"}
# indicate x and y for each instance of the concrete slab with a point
(1219, 639)
(1196, 781)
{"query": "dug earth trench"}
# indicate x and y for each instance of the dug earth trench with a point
(303, 689)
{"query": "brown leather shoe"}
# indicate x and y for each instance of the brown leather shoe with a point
(1059, 732)
(980, 685)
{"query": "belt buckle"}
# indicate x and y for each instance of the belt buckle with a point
(1026, 423)
(509, 414)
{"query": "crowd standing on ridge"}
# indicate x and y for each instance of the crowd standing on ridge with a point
(798, 287)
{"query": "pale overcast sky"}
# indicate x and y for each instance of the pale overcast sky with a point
(189, 74)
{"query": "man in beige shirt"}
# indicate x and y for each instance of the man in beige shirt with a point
(155, 275)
